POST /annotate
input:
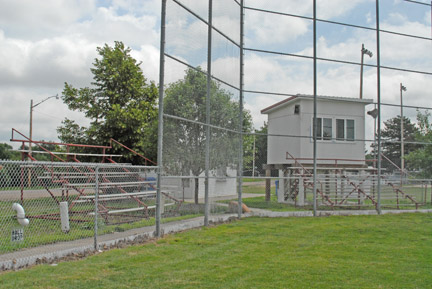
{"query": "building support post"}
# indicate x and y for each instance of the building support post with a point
(301, 192)
(268, 185)
(282, 185)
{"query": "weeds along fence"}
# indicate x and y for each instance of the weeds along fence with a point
(44, 203)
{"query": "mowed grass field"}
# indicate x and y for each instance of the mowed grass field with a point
(387, 251)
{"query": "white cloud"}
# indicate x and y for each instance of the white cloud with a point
(46, 43)
(44, 63)
(273, 29)
(37, 19)
(403, 51)
(333, 8)
(107, 26)
(227, 69)
(149, 56)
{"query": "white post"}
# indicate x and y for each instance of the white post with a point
(281, 190)
(64, 217)
(301, 192)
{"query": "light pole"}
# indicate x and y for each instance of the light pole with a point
(370, 54)
(31, 119)
(402, 88)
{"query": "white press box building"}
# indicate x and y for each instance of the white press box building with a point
(340, 135)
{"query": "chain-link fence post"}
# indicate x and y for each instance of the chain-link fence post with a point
(96, 208)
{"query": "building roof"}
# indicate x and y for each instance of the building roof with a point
(310, 97)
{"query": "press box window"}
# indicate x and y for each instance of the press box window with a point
(297, 109)
(324, 128)
(350, 129)
(340, 129)
(345, 129)
(327, 128)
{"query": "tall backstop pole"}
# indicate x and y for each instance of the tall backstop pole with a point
(160, 120)
(241, 84)
(207, 143)
(314, 129)
(379, 106)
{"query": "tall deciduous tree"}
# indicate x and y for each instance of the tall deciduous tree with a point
(185, 141)
(120, 104)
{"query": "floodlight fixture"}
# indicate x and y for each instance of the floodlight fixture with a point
(373, 113)
(367, 52)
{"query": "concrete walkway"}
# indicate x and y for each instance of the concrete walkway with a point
(53, 252)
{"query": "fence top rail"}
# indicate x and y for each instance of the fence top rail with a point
(36, 164)
(109, 184)
(69, 153)
(336, 168)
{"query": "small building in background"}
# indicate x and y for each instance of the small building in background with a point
(340, 133)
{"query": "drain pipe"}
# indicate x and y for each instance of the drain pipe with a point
(20, 214)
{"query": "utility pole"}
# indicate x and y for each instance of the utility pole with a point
(31, 129)
(31, 119)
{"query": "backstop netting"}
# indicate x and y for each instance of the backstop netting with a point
(201, 104)
(227, 63)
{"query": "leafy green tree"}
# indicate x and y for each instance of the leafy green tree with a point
(120, 104)
(421, 158)
(261, 147)
(6, 152)
(259, 153)
(185, 141)
(391, 142)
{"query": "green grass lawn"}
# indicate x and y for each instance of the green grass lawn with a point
(256, 189)
(252, 180)
(388, 251)
(46, 231)
(273, 205)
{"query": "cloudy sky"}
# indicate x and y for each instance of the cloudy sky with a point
(46, 43)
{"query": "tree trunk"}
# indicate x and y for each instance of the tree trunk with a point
(196, 190)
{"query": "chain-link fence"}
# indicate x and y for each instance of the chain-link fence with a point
(202, 107)
(45, 203)
(251, 112)
(227, 65)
